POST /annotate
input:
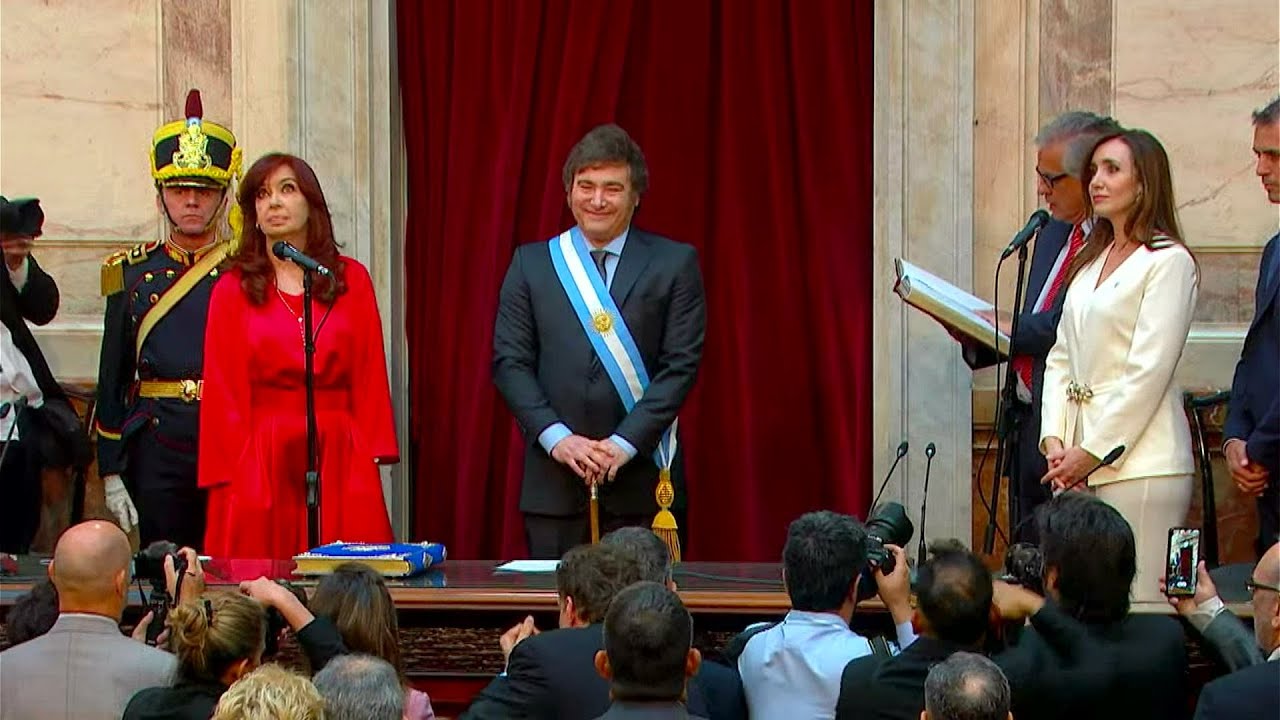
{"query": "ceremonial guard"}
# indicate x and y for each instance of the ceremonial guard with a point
(149, 376)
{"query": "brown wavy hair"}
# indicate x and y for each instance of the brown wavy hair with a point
(253, 258)
(1155, 212)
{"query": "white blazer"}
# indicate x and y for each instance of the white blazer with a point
(1108, 380)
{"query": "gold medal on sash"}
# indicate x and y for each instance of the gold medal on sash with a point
(602, 321)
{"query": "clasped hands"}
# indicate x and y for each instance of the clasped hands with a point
(1250, 477)
(1066, 465)
(595, 461)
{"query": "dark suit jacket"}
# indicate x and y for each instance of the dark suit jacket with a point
(37, 304)
(890, 688)
(546, 369)
(1249, 694)
(1037, 331)
(647, 711)
(1233, 643)
(552, 675)
(1133, 669)
(1254, 415)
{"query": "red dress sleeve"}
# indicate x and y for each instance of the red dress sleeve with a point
(373, 414)
(224, 400)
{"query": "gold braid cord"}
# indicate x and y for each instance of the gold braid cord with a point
(664, 523)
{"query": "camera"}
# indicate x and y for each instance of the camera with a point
(1024, 565)
(888, 524)
(276, 621)
(149, 564)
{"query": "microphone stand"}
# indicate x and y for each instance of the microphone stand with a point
(309, 372)
(8, 438)
(1007, 426)
(922, 550)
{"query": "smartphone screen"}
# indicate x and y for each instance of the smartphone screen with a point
(1183, 558)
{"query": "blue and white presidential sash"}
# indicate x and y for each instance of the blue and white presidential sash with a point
(606, 329)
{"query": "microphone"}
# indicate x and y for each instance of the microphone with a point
(1037, 220)
(929, 451)
(17, 405)
(902, 450)
(1111, 457)
(285, 251)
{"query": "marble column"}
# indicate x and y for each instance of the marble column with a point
(923, 212)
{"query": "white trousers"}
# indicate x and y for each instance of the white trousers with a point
(1151, 505)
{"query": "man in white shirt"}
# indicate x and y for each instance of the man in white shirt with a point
(793, 669)
(27, 294)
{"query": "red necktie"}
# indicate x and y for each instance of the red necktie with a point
(1022, 364)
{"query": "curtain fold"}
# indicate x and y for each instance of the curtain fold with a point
(755, 119)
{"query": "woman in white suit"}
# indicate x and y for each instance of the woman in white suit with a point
(1108, 380)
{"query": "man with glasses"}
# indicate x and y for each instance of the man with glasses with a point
(1059, 165)
(1252, 689)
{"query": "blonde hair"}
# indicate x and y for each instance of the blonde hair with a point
(210, 633)
(270, 693)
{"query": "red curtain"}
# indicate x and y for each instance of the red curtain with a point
(755, 119)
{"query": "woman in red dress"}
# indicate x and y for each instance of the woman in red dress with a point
(253, 428)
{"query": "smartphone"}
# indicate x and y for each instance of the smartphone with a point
(1182, 560)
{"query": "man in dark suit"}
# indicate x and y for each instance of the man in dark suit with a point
(966, 686)
(1250, 691)
(953, 607)
(648, 656)
(1134, 666)
(562, 361)
(1058, 172)
(27, 294)
(1253, 420)
(551, 674)
(720, 684)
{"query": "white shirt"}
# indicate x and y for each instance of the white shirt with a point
(16, 378)
(793, 669)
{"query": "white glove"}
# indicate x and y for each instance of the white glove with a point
(119, 503)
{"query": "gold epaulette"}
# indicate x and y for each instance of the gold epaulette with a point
(113, 266)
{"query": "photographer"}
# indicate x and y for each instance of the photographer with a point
(38, 427)
(1085, 654)
(793, 668)
(953, 594)
(83, 667)
(218, 637)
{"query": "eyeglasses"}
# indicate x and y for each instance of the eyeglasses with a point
(1251, 587)
(1050, 180)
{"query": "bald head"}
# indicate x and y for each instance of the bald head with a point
(91, 567)
(1266, 600)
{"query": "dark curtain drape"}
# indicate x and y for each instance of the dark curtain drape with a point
(755, 119)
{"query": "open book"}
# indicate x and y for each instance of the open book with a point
(949, 305)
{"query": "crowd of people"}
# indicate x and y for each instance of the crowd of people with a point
(970, 647)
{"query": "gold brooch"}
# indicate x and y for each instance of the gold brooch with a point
(602, 321)
(1078, 392)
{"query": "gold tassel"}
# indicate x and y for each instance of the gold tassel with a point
(113, 275)
(664, 523)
